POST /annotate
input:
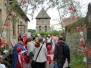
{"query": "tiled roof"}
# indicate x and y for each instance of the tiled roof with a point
(42, 15)
(67, 21)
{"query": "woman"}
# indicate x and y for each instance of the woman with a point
(14, 54)
(41, 59)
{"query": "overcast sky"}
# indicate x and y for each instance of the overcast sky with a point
(54, 15)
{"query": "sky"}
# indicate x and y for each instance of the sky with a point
(55, 16)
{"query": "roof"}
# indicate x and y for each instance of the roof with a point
(21, 12)
(42, 15)
(67, 21)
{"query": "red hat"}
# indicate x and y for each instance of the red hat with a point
(18, 49)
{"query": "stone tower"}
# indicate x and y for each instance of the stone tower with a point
(42, 21)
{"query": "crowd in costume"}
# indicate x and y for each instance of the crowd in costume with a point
(40, 50)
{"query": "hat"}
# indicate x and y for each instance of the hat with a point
(18, 49)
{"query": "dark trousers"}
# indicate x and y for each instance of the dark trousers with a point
(60, 63)
(40, 65)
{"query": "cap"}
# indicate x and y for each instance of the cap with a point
(18, 49)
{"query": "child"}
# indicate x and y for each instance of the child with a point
(1, 65)
(20, 61)
(49, 53)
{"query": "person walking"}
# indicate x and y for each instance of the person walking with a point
(20, 61)
(40, 52)
(14, 54)
(59, 56)
(30, 47)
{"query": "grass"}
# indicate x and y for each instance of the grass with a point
(76, 60)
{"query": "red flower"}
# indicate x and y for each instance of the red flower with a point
(5, 44)
(10, 14)
(24, 1)
(85, 25)
(9, 18)
(80, 42)
(83, 44)
(70, 8)
(86, 50)
(1, 43)
(78, 28)
(6, 24)
(90, 54)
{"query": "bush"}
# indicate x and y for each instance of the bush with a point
(76, 60)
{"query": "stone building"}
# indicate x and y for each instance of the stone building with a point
(42, 21)
(17, 24)
(2, 13)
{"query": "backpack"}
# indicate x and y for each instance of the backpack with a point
(66, 50)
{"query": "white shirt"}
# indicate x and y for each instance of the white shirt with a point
(30, 47)
(2, 66)
(42, 55)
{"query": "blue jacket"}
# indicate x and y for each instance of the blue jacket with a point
(14, 55)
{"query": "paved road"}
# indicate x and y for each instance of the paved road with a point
(47, 65)
(51, 65)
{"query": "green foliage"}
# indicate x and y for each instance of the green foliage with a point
(46, 33)
(31, 30)
(76, 60)
(79, 22)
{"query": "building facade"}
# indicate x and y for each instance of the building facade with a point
(17, 24)
(42, 21)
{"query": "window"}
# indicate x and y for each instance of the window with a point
(21, 28)
(45, 28)
(39, 28)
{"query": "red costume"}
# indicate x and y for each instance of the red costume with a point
(49, 52)
(20, 62)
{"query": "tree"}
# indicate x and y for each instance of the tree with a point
(61, 5)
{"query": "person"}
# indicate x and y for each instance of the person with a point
(59, 53)
(20, 62)
(14, 54)
(30, 47)
(33, 40)
(67, 54)
(1, 65)
(41, 59)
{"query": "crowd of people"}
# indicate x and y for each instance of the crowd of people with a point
(40, 51)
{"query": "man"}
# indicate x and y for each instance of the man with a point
(67, 54)
(59, 55)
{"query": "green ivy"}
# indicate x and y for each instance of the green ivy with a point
(76, 60)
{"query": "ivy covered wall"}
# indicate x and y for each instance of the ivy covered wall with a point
(73, 36)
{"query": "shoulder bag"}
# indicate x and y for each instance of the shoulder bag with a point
(33, 63)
